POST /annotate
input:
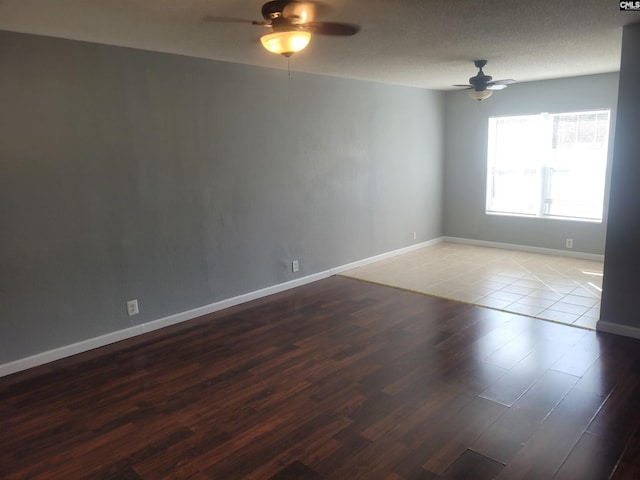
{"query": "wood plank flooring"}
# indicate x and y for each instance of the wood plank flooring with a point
(339, 379)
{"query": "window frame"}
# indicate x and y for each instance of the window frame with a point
(543, 168)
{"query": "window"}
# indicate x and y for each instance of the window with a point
(548, 165)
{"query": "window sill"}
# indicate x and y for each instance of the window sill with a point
(544, 217)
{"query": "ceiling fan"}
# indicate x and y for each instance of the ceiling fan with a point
(292, 23)
(481, 85)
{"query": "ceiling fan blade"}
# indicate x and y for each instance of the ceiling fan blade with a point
(299, 12)
(496, 87)
(502, 82)
(331, 28)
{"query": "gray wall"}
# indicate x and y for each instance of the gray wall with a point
(466, 130)
(180, 182)
(621, 284)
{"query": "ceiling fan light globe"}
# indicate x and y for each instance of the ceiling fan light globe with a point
(481, 95)
(285, 42)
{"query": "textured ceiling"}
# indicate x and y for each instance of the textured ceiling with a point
(423, 43)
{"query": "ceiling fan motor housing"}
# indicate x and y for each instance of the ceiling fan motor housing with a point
(273, 9)
(281, 24)
(480, 81)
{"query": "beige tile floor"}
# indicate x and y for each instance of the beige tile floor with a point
(560, 289)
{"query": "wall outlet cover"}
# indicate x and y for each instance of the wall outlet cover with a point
(132, 307)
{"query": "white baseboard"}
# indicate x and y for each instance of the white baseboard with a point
(232, 302)
(618, 329)
(526, 248)
(96, 342)
(68, 350)
(377, 258)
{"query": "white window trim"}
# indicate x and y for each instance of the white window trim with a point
(543, 171)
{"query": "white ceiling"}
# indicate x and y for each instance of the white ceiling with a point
(423, 43)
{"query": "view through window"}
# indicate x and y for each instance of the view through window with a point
(548, 165)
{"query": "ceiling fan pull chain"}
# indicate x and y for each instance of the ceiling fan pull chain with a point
(288, 66)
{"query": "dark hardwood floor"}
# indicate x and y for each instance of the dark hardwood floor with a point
(339, 379)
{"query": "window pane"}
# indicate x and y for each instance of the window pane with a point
(514, 191)
(575, 193)
(577, 165)
(513, 180)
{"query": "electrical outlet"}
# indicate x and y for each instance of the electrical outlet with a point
(414, 235)
(295, 266)
(569, 243)
(132, 307)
